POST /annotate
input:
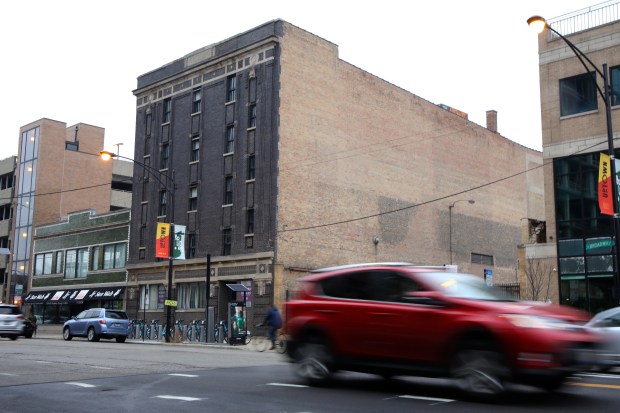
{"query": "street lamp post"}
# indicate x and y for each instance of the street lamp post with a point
(471, 201)
(539, 24)
(105, 155)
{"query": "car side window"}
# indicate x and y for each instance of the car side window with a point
(93, 314)
(81, 315)
(352, 286)
(391, 286)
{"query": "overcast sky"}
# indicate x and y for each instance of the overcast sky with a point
(78, 61)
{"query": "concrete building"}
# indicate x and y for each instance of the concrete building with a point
(7, 180)
(282, 158)
(58, 171)
(579, 238)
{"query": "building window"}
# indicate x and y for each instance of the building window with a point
(249, 221)
(76, 263)
(152, 297)
(163, 203)
(228, 190)
(114, 256)
(615, 85)
(6, 181)
(167, 110)
(195, 149)
(251, 167)
(191, 295)
(481, 259)
(226, 241)
(230, 139)
(142, 235)
(252, 116)
(43, 263)
(58, 263)
(231, 88)
(191, 245)
(165, 156)
(5, 212)
(95, 258)
(193, 199)
(578, 94)
(72, 146)
(196, 100)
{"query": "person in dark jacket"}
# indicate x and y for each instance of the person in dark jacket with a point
(274, 322)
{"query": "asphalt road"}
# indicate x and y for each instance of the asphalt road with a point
(51, 375)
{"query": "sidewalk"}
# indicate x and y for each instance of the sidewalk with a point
(54, 331)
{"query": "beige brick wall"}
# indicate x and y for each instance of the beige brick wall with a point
(353, 145)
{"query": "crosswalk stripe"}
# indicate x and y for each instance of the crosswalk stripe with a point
(182, 375)
(286, 385)
(75, 383)
(185, 399)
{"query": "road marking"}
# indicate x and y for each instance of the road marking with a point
(185, 399)
(604, 386)
(600, 375)
(286, 385)
(75, 383)
(432, 399)
(7, 374)
(182, 375)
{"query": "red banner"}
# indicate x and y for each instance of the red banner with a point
(162, 243)
(605, 199)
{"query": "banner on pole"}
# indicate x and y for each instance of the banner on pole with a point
(605, 199)
(162, 243)
(179, 242)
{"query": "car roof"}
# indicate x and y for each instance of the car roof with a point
(326, 272)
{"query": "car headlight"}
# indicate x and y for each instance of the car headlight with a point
(534, 321)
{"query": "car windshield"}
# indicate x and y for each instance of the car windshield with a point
(462, 286)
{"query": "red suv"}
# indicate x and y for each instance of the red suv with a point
(398, 319)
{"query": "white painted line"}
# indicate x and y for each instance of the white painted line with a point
(182, 375)
(432, 399)
(7, 374)
(286, 385)
(600, 375)
(75, 383)
(185, 399)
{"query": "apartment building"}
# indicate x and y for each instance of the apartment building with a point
(7, 180)
(278, 158)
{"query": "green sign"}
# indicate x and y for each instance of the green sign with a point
(171, 303)
(599, 243)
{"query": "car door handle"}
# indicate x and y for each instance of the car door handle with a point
(326, 311)
(383, 314)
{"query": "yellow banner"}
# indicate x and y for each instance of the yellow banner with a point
(162, 242)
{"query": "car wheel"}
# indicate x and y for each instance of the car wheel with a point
(92, 336)
(66, 334)
(13, 337)
(120, 339)
(313, 361)
(29, 335)
(480, 372)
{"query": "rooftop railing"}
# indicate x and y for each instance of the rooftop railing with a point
(585, 19)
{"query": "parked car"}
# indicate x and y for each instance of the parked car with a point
(11, 321)
(607, 323)
(30, 328)
(398, 319)
(97, 323)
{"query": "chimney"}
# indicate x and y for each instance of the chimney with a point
(492, 120)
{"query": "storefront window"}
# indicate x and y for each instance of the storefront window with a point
(191, 295)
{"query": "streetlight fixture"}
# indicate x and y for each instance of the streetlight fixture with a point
(471, 201)
(539, 24)
(106, 156)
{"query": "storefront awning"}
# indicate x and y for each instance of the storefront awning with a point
(74, 296)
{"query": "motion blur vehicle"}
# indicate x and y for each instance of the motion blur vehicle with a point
(398, 319)
(98, 323)
(11, 321)
(607, 324)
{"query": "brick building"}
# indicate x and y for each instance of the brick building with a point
(286, 158)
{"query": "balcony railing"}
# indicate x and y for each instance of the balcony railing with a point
(585, 19)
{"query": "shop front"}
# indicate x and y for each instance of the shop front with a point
(57, 306)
